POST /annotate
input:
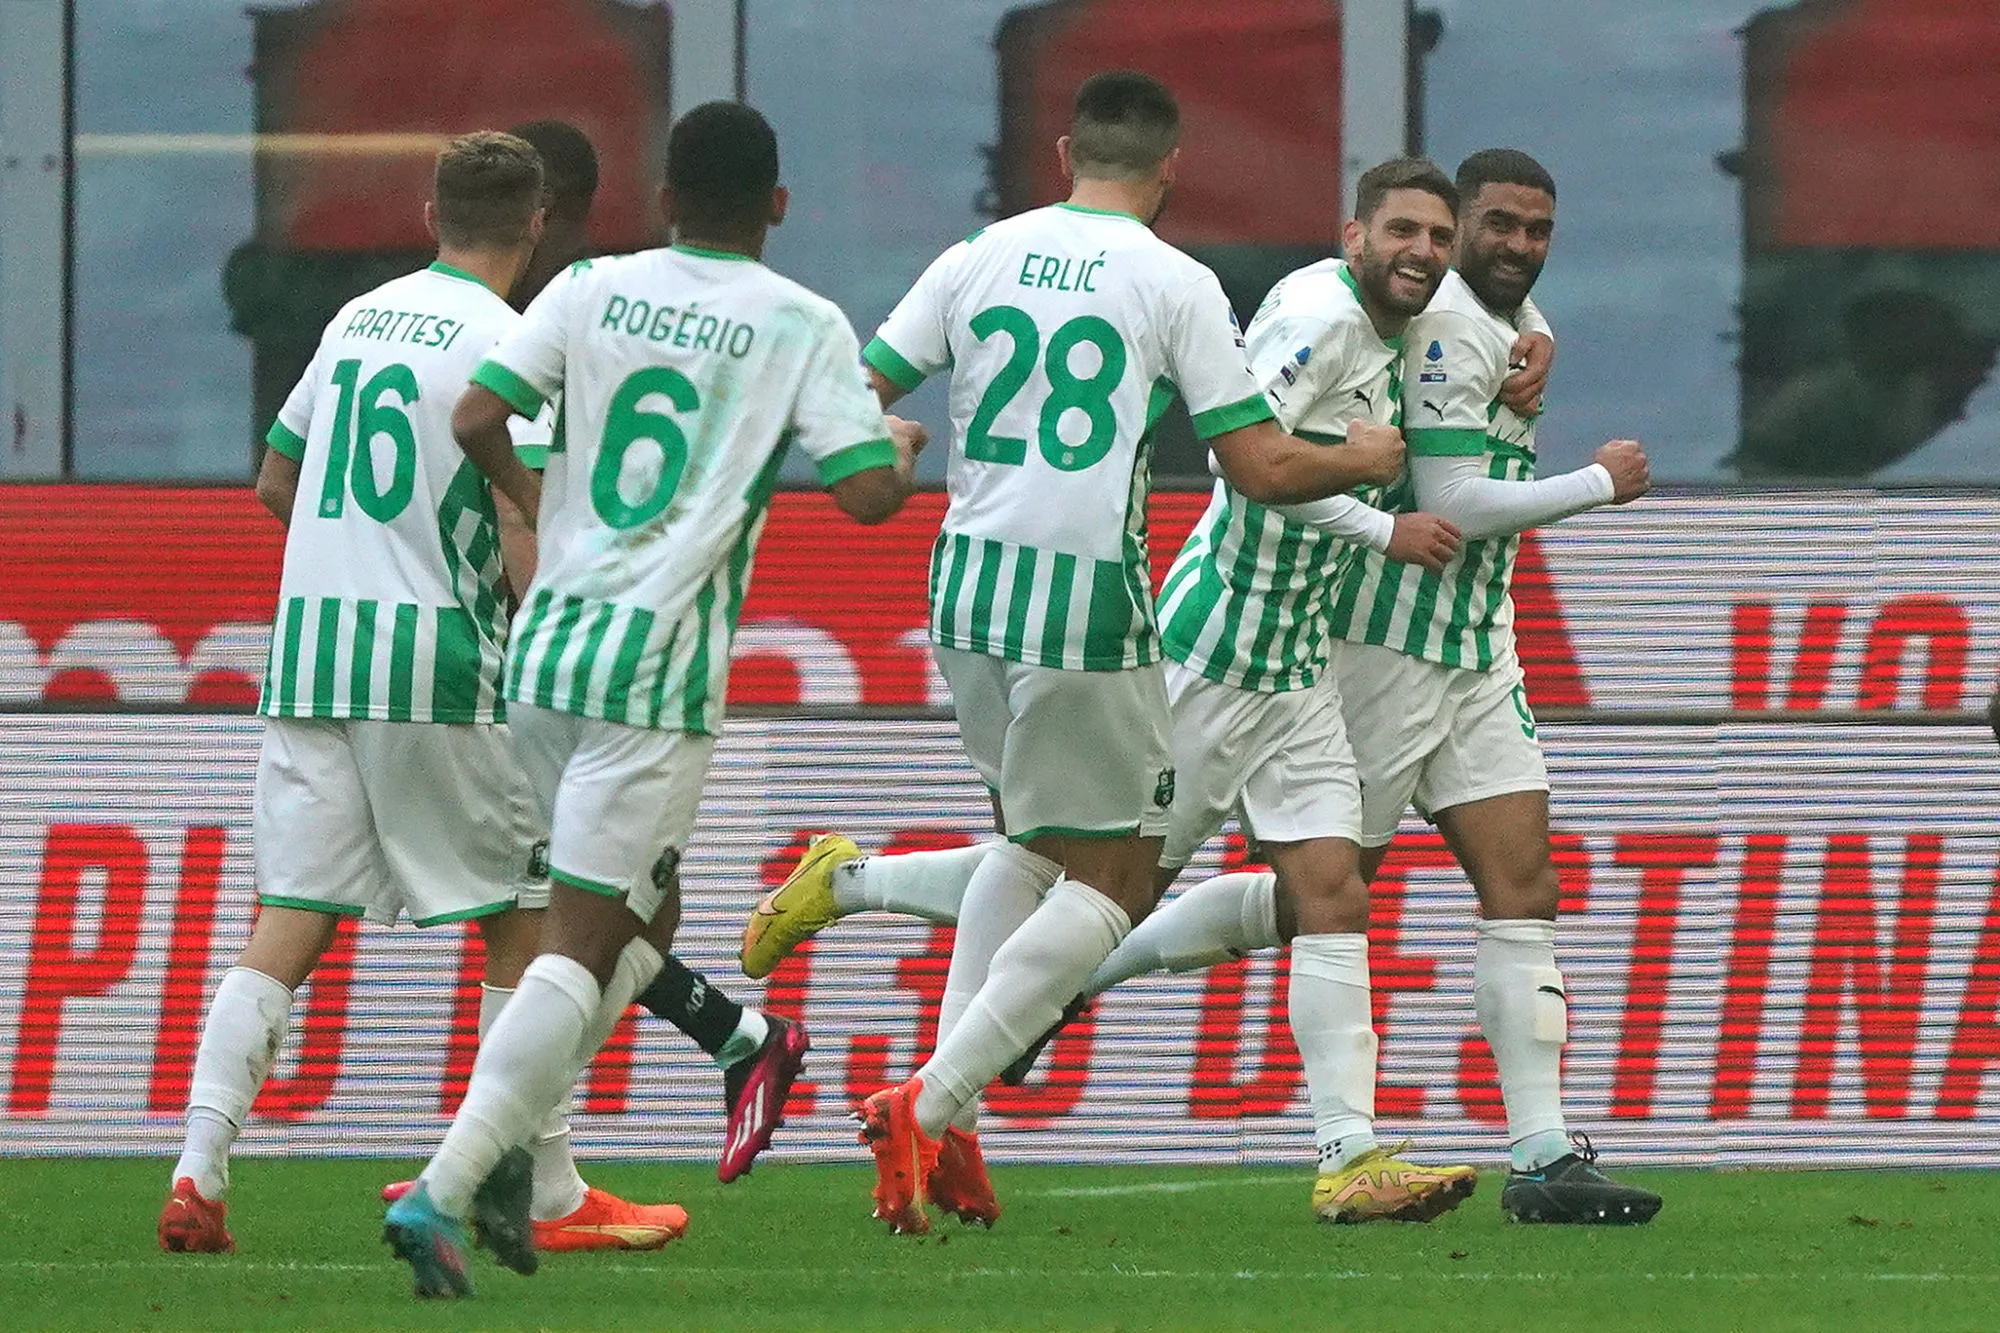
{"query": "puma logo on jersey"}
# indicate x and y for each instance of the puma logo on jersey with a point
(1367, 399)
(1435, 409)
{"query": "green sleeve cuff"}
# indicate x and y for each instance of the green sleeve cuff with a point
(520, 395)
(856, 458)
(890, 362)
(534, 457)
(286, 441)
(1439, 442)
(1234, 416)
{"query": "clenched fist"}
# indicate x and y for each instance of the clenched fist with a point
(1625, 460)
(1378, 449)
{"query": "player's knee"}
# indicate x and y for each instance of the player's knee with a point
(1530, 891)
(1322, 904)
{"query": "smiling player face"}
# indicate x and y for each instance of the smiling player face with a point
(1403, 251)
(1503, 241)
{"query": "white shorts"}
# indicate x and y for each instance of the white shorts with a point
(433, 819)
(1280, 762)
(1084, 753)
(620, 801)
(1433, 736)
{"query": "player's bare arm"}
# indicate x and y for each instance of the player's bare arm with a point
(874, 496)
(1267, 466)
(517, 545)
(479, 424)
(887, 391)
(278, 484)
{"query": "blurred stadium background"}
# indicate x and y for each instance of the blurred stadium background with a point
(1778, 264)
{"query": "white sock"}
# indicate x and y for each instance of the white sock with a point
(638, 963)
(751, 1029)
(1006, 889)
(558, 1189)
(925, 884)
(240, 1038)
(525, 1065)
(1036, 972)
(1218, 919)
(1333, 1026)
(1523, 1010)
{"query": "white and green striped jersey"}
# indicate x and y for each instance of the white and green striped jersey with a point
(1455, 358)
(1246, 601)
(1067, 332)
(685, 374)
(392, 604)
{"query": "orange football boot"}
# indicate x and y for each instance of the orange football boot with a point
(606, 1222)
(905, 1157)
(190, 1224)
(958, 1183)
(602, 1222)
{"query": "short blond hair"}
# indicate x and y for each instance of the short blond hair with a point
(487, 188)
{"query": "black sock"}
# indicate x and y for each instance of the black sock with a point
(684, 998)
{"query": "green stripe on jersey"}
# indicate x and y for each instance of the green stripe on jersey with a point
(1246, 601)
(516, 392)
(1232, 416)
(619, 663)
(1462, 617)
(1049, 608)
(361, 658)
(855, 458)
(892, 365)
(286, 441)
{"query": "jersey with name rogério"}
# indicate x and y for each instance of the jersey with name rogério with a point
(685, 375)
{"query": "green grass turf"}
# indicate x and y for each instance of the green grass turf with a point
(1079, 1248)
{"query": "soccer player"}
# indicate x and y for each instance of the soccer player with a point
(685, 373)
(1433, 696)
(760, 1054)
(1257, 726)
(1432, 690)
(569, 168)
(1067, 331)
(386, 783)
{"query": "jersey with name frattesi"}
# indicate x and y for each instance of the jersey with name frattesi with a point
(392, 604)
(1246, 602)
(1067, 332)
(685, 375)
(1455, 357)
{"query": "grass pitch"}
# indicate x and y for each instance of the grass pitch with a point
(1078, 1248)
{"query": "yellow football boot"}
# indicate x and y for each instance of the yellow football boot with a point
(1379, 1186)
(798, 909)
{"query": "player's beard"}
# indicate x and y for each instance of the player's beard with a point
(1166, 193)
(1377, 280)
(1499, 289)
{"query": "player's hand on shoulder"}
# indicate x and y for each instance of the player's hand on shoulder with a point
(1422, 539)
(1631, 477)
(1380, 450)
(1528, 363)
